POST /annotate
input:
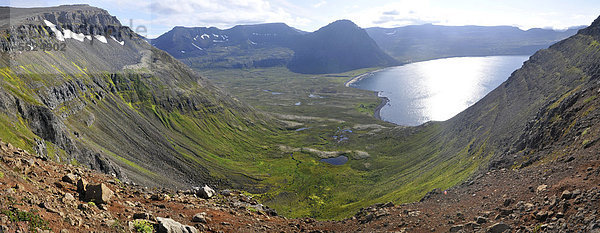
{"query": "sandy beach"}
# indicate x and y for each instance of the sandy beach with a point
(358, 78)
(377, 112)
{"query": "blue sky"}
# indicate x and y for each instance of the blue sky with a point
(309, 15)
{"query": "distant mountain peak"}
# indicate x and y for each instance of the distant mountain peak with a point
(340, 24)
(338, 47)
(343, 22)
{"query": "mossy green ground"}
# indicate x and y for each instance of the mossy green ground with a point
(399, 169)
(224, 140)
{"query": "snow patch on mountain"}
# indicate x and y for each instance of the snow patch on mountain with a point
(101, 38)
(68, 34)
(59, 35)
(197, 46)
(115, 39)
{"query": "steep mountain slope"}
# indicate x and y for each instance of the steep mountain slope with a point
(185, 42)
(121, 106)
(261, 45)
(79, 87)
(338, 47)
(496, 132)
(561, 195)
(423, 42)
(406, 163)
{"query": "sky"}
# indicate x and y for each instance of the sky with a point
(157, 17)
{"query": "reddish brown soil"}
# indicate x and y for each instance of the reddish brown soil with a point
(32, 184)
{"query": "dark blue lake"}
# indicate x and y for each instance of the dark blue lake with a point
(438, 89)
(340, 160)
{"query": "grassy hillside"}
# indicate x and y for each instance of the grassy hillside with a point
(402, 163)
(405, 163)
(126, 108)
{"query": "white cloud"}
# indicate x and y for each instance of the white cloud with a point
(410, 12)
(319, 4)
(399, 13)
(222, 13)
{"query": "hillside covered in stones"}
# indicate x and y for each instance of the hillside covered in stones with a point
(178, 153)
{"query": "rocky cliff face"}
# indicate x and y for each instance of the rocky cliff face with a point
(78, 87)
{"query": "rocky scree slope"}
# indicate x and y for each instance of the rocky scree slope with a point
(113, 102)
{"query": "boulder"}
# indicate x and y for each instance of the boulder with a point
(205, 192)
(481, 220)
(81, 185)
(508, 202)
(145, 216)
(541, 216)
(199, 217)
(456, 228)
(565, 195)
(576, 193)
(542, 188)
(68, 197)
(498, 228)
(226, 192)
(70, 178)
(167, 225)
(99, 194)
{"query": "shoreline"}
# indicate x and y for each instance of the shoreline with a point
(384, 102)
(360, 77)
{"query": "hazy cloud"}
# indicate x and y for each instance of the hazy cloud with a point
(392, 12)
(401, 21)
(319, 4)
(160, 16)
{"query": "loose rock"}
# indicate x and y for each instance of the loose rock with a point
(70, 178)
(199, 217)
(81, 185)
(565, 195)
(205, 192)
(498, 228)
(99, 194)
(167, 225)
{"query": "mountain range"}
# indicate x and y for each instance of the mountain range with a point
(425, 42)
(103, 97)
(329, 49)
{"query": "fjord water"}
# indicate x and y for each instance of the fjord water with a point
(439, 89)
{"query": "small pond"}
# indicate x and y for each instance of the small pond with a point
(340, 160)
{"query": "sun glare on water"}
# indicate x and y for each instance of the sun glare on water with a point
(437, 90)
